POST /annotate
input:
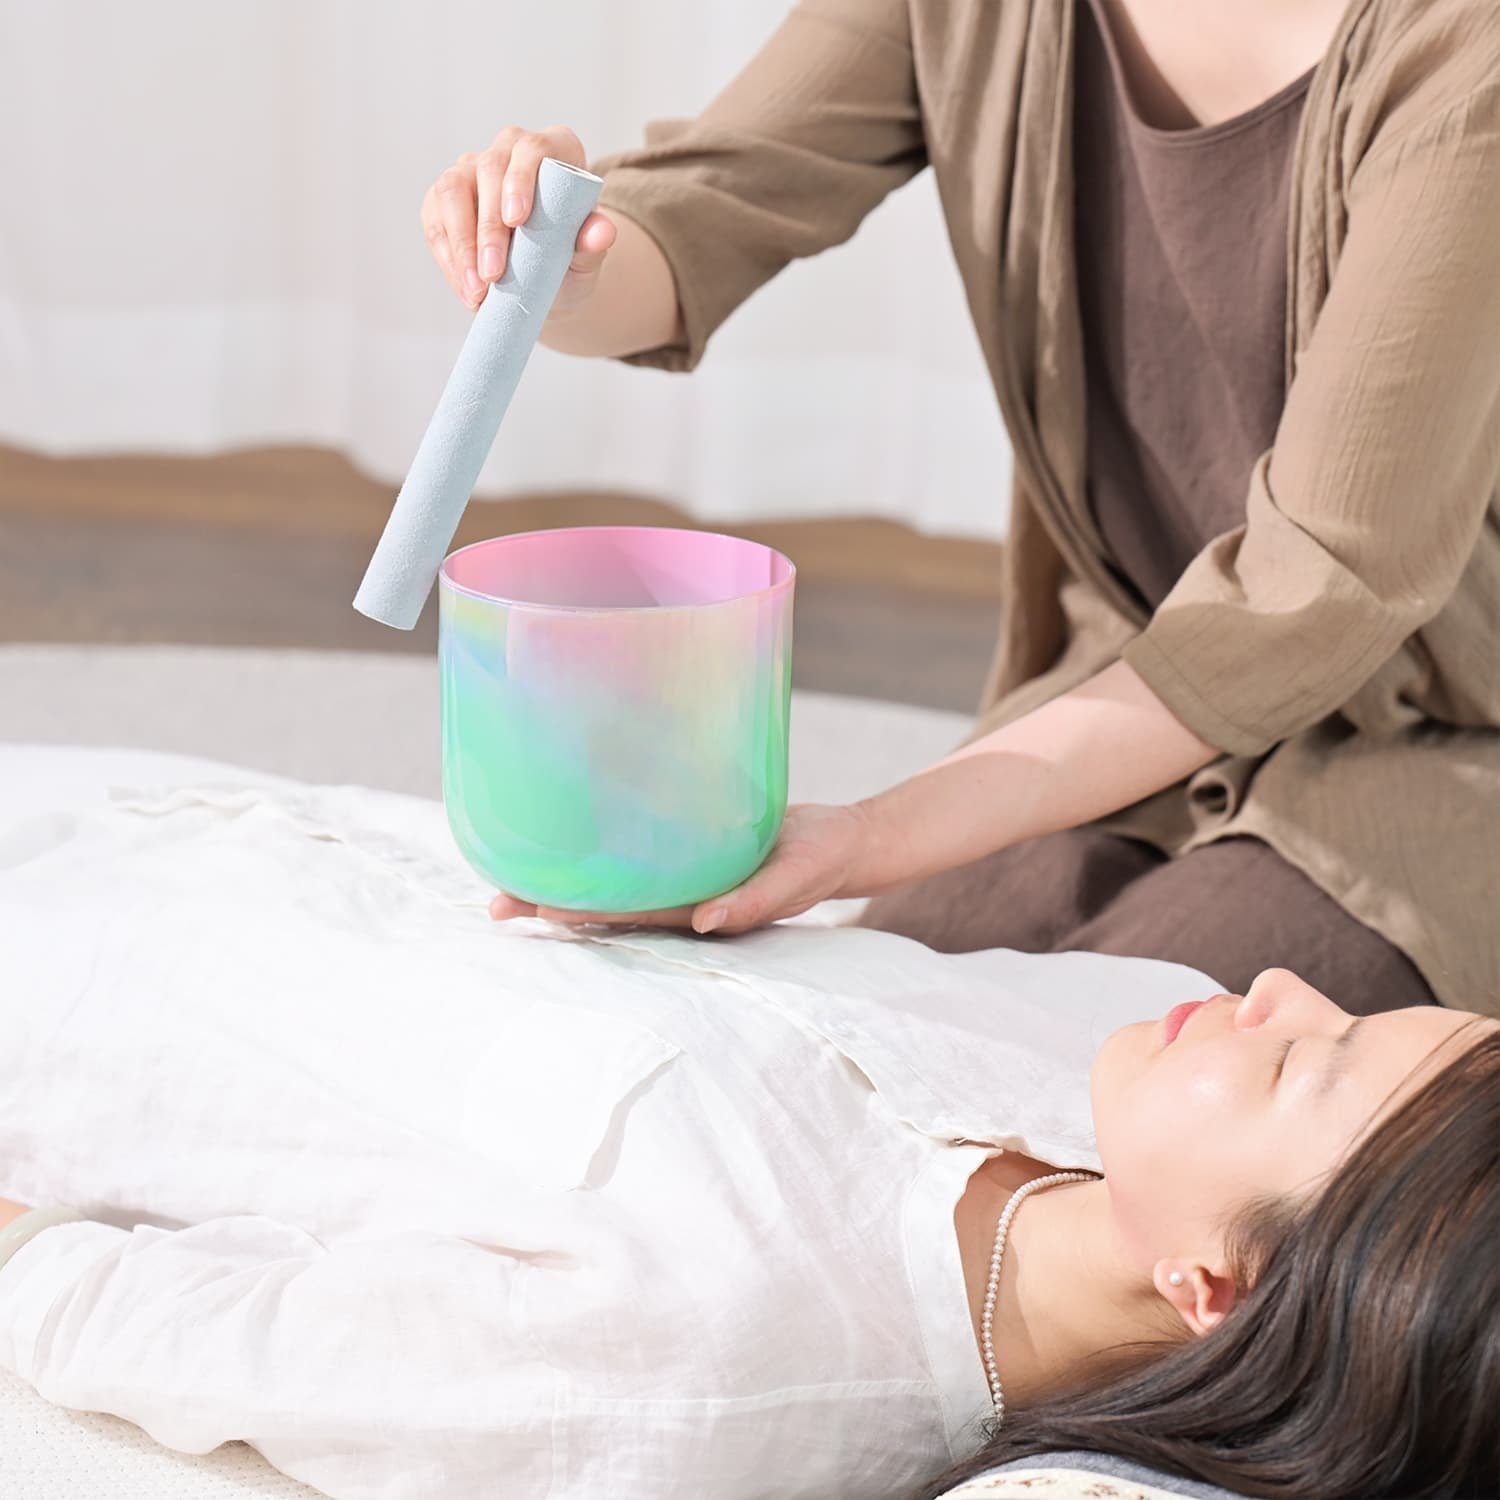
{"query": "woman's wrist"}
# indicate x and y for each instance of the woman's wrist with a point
(855, 878)
(948, 815)
(886, 853)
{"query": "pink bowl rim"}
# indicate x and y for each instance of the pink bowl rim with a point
(769, 592)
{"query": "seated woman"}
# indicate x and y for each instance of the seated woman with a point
(422, 1205)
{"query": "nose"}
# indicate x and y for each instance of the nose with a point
(1278, 994)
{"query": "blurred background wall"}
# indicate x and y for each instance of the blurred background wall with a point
(221, 338)
(210, 240)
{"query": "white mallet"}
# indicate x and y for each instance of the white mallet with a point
(473, 404)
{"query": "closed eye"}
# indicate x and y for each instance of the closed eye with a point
(1282, 1052)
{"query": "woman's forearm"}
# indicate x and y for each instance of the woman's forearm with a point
(1107, 743)
(632, 308)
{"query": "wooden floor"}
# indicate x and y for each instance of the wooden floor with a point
(266, 547)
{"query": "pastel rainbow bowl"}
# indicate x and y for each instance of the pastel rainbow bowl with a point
(615, 706)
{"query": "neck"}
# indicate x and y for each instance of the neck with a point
(1067, 1289)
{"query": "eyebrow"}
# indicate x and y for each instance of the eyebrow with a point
(1338, 1057)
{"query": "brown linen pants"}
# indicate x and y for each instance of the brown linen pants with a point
(1230, 908)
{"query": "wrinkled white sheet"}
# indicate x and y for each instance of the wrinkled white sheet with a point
(633, 1214)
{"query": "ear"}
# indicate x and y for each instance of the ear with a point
(1199, 1294)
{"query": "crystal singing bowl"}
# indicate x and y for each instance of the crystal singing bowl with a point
(615, 705)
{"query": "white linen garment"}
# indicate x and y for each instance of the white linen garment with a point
(427, 1206)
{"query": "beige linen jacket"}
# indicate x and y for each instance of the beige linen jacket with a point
(1342, 646)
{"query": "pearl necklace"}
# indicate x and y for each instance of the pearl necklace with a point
(1002, 1229)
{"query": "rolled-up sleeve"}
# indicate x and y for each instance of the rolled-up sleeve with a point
(785, 162)
(1361, 519)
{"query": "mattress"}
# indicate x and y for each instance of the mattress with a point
(50, 1454)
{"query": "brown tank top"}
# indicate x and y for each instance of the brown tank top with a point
(1181, 246)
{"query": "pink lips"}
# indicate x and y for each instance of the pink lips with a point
(1176, 1019)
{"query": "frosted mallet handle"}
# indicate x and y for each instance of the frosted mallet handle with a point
(462, 430)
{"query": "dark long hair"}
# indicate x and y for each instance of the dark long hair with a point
(1362, 1361)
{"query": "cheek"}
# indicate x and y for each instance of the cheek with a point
(1147, 1101)
(1166, 1138)
(1118, 1064)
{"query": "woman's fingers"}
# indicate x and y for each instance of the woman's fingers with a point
(595, 239)
(675, 916)
(437, 238)
(492, 231)
(753, 904)
(504, 907)
(774, 890)
(456, 202)
(739, 910)
(526, 155)
(809, 863)
(519, 188)
(594, 242)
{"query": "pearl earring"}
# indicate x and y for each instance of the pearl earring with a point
(1175, 1279)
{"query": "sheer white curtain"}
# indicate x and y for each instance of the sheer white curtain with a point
(209, 237)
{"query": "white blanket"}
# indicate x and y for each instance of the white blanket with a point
(46, 1451)
(454, 1139)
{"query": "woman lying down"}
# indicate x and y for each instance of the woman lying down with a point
(420, 1205)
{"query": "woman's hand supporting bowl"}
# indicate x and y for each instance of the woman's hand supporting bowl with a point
(1089, 752)
(819, 855)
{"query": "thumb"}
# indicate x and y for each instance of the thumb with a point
(760, 899)
(737, 910)
(594, 242)
(713, 914)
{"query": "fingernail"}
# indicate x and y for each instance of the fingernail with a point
(510, 207)
(489, 262)
(472, 284)
(715, 917)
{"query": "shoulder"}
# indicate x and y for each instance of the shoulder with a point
(880, 20)
(1450, 29)
(1411, 66)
